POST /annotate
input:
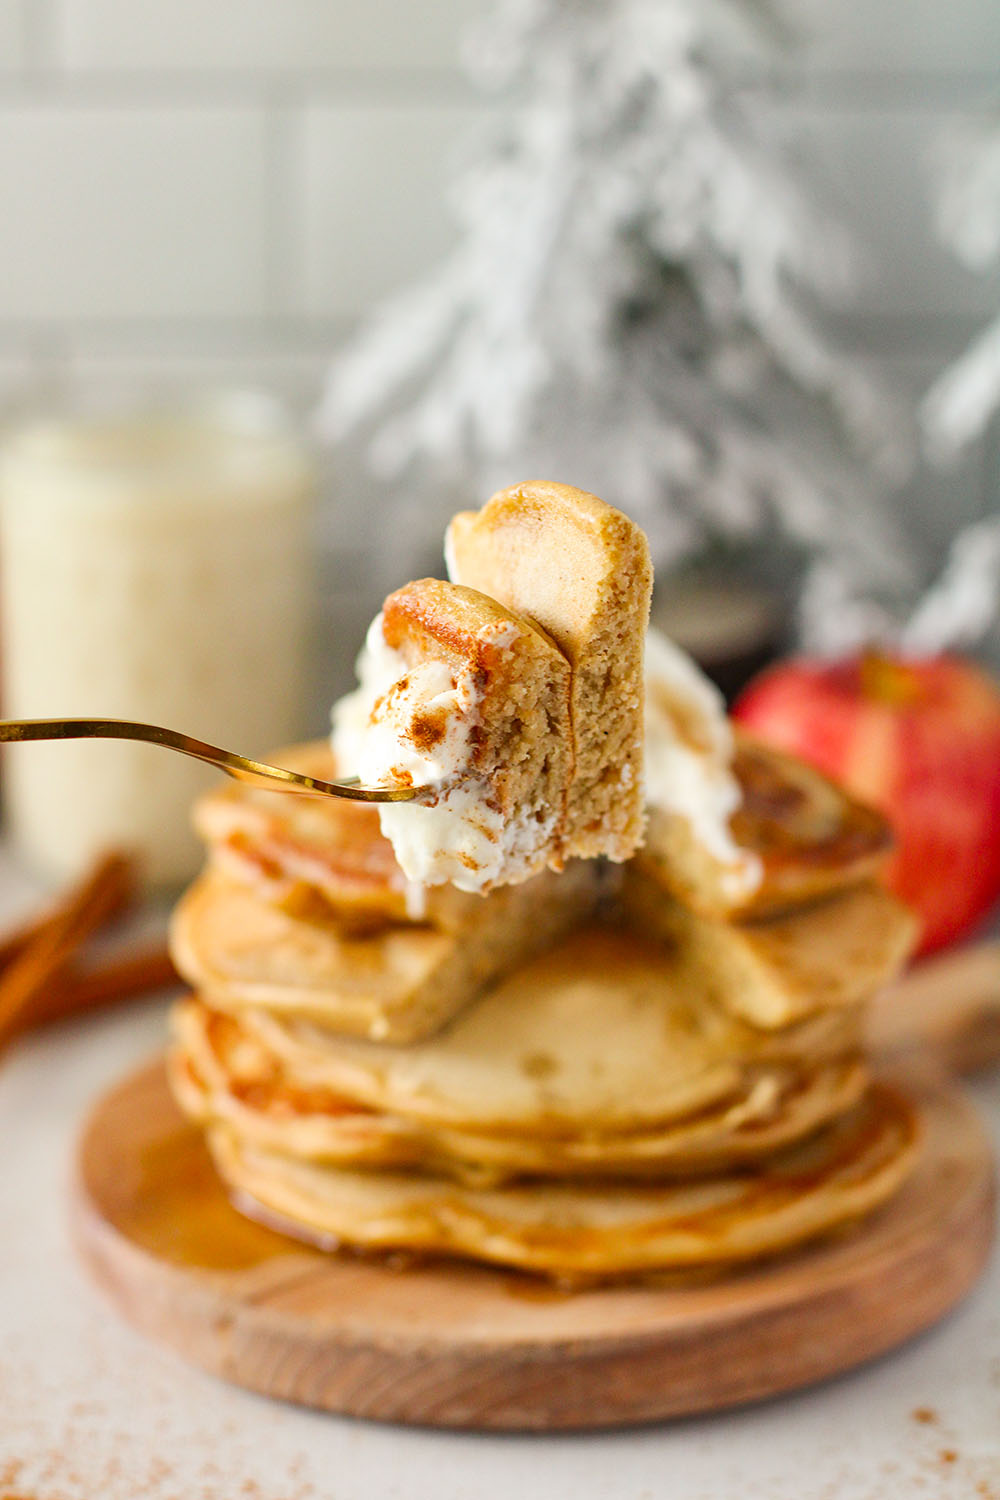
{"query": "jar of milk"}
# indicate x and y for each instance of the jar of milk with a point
(153, 566)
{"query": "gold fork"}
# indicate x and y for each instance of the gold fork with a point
(238, 766)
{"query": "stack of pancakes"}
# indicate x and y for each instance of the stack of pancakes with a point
(606, 1070)
(581, 1075)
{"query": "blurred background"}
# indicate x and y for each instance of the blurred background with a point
(219, 195)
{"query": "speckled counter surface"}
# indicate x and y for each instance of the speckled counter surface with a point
(89, 1411)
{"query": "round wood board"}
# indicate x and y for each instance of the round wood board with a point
(460, 1346)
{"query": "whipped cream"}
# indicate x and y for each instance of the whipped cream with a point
(414, 726)
(373, 727)
(688, 758)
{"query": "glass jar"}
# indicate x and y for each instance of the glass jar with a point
(153, 566)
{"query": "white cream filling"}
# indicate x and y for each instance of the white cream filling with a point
(453, 835)
(688, 758)
(373, 726)
(462, 840)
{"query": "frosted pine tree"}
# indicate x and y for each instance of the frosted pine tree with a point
(628, 305)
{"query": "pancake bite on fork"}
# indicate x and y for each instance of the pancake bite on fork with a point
(470, 700)
(582, 571)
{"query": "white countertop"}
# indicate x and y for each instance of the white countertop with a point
(90, 1411)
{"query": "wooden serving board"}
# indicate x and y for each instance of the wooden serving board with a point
(947, 1007)
(461, 1346)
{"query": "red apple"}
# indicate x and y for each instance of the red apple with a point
(919, 739)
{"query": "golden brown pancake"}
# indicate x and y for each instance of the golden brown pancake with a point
(582, 571)
(832, 953)
(811, 838)
(603, 1034)
(222, 1073)
(399, 983)
(319, 856)
(314, 854)
(589, 1229)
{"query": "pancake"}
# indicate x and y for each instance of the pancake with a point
(833, 953)
(471, 700)
(582, 571)
(222, 1074)
(603, 1034)
(320, 856)
(810, 838)
(566, 1229)
(316, 855)
(398, 983)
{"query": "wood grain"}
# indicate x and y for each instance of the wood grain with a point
(947, 1006)
(459, 1346)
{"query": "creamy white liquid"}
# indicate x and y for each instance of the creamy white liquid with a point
(153, 570)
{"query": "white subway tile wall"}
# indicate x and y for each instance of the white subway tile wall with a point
(263, 35)
(12, 50)
(367, 208)
(925, 37)
(131, 213)
(876, 168)
(237, 181)
(234, 183)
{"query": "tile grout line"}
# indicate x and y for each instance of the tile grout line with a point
(46, 81)
(47, 76)
(906, 334)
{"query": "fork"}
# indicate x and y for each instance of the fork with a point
(14, 731)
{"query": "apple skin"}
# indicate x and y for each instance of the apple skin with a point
(918, 739)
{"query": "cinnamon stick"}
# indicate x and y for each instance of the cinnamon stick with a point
(102, 895)
(104, 984)
(15, 943)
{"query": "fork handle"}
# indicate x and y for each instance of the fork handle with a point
(13, 731)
